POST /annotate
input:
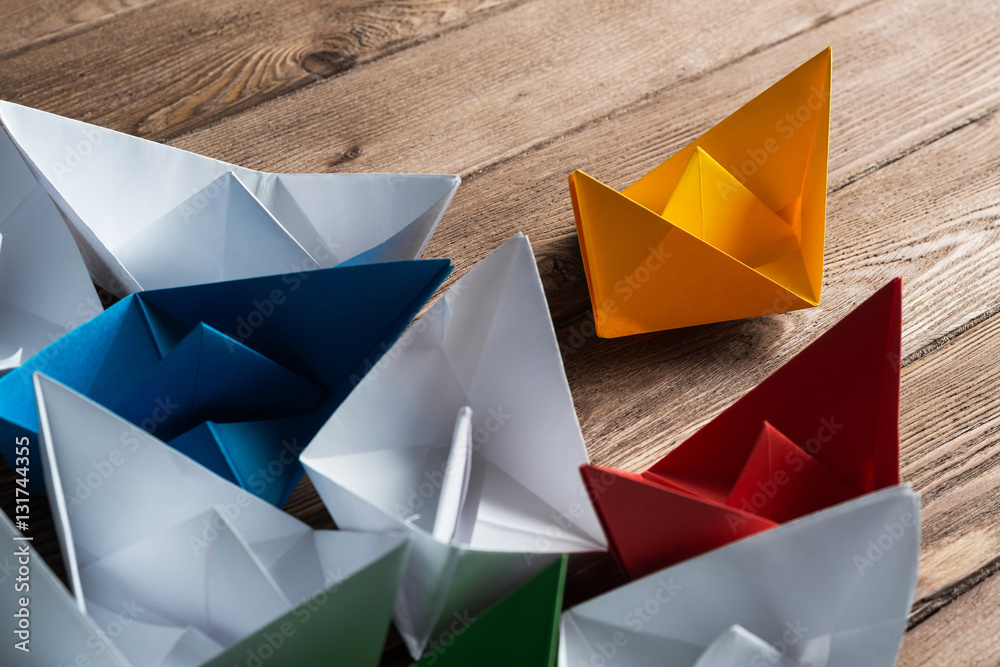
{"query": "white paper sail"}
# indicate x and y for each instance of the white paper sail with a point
(832, 589)
(144, 527)
(45, 290)
(138, 209)
(465, 428)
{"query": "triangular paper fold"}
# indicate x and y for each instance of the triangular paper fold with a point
(210, 376)
(731, 226)
(650, 524)
(637, 286)
(221, 233)
(781, 481)
(45, 290)
(713, 205)
(58, 630)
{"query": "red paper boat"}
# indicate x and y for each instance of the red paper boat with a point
(824, 428)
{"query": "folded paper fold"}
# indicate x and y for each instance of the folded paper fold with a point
(822, 429)
(451, 519)
(239, 375)
(479, 460)
(739, 646)
(45, 290)
(731, 226)
(522, 628)
(832, 589)
(781, 481)
(149, 216)
(207, 568)
(209, 376)
(59, 632)
(221, 233)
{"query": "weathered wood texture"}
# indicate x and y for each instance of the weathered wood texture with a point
(24, 25)
(951, 453)
(174, 65)
(515, 94)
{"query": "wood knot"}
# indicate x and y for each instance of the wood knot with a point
(327, 63)
(352, 153)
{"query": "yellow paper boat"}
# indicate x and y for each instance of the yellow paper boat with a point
(730, 227)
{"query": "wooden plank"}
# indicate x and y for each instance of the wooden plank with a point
(181, 64)
(951, 453)
(26, 24)
(484, 94)
(915, 192)
(963, 634)
(446, 118)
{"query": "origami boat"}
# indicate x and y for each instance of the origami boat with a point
(177, 566)
(149, 216)
(730, 227)
(832, 589)
(240, 374)
(478, 461)
(821, 429)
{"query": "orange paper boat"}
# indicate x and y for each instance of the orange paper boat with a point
(730, 227)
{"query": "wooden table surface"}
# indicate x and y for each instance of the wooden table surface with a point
(515, 94)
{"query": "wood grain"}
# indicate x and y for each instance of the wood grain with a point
(182, 64)
(951, 454)
(515, 94)
(903, 72)
(963, 634)
(539, 71)
(27, 24)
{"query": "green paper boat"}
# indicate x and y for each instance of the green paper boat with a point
(520, 629)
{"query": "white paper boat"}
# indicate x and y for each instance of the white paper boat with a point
(148, 216)
(832, 589)
(466, 437)
(204, 570)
